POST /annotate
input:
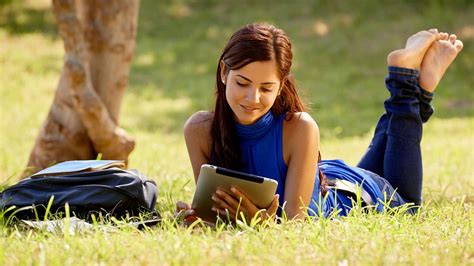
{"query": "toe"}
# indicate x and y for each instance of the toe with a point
(433, 30)
(452, 38)
(459, 45)
(444, 36)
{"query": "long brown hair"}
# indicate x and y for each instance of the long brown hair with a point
(253, 42)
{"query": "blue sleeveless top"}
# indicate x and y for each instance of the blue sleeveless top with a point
(261, 146)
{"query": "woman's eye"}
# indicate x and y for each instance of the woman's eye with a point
(241, 84)
(266, 89)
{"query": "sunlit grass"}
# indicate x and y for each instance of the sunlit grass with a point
(340, 51)
(358, 238)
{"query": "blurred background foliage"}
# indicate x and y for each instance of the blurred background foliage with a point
(340, 50)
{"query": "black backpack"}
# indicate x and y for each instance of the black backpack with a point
(113, 191)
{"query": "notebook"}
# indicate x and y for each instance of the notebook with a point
(71, 167)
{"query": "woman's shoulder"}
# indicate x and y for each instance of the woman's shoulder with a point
(197, 135)
(199, 122)
(299, 130)
(300, 139)
(300, 121)
(200, 117)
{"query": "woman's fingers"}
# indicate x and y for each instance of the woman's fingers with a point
(252, 209)
(245, 202)
(223, 212)
(226, 204)
(182, 206)
(273, 206)
(183, 211)
(188, 212)
(224, 198)
(221, 203)
(187, 215)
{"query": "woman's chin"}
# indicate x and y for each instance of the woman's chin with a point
(247, 117)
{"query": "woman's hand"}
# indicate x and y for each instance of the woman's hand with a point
(184, 211)
(236, 203)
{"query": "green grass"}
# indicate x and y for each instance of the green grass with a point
(340, 73)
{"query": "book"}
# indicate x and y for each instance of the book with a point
(79, 166)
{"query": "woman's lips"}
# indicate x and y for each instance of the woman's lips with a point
(248, 108)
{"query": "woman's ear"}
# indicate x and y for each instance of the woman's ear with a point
(223, 71)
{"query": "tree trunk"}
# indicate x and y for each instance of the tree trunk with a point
(99, 39)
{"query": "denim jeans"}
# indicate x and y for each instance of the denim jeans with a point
(394, 152)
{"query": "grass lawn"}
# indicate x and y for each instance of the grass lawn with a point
(340, 50)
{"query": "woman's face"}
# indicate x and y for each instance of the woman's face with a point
(251, 90)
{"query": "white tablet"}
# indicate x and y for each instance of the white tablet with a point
(260, 190)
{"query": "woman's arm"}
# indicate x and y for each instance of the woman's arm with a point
(197, 136)
(300, 152)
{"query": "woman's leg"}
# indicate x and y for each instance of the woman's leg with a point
(394, 152)
(374, 156)
(402, 165)
(406, 109)
(373, 159)
(409, 57)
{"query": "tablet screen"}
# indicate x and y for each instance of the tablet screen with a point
(260, 190)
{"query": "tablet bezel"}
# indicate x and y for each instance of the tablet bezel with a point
(260, 190)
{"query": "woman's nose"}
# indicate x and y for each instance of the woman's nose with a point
(253, 95)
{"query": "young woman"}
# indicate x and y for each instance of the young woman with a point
(260, 126)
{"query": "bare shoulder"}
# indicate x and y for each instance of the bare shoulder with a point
(200, 123)
(197, 135)
(300, 123)
(300, 136)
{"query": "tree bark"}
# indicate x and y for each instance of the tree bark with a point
(99, 39)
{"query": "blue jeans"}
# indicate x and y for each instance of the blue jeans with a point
(394, 152)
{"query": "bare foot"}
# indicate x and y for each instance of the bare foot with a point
(412, 55)
(437, 59)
